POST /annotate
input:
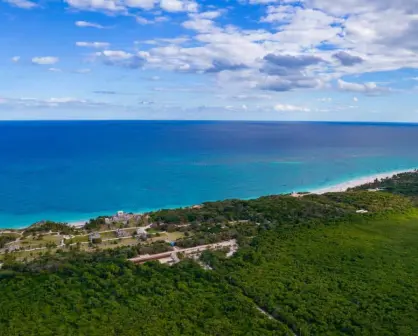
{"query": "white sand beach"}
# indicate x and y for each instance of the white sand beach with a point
(78, 223)
(358, 182)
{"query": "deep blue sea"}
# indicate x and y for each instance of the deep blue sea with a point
(68, 171)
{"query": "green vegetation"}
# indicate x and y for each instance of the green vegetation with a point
(355, 278)
(47, 226)
(402, 184)
(90, 297)
(6, 238)
(313, 263)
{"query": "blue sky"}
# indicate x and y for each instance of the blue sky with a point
(348, 60)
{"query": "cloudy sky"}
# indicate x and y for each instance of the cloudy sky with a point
(342, 60)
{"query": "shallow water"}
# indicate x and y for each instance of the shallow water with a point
(76, 170)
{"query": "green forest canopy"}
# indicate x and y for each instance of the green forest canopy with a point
(314, 264)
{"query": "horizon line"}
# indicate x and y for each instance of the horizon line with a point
(211, 120)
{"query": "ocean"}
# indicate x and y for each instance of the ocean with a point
(75, 170)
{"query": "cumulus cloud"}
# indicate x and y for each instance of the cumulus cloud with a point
(97, 5)
(290, 108)
(287, 72)
(311, 45)
(15, 59)
(281, 85)
(365, 88)
(144, 4)
(99, 45)
(85, 24)
(346, 59)
(25, 4)
(45, 60)
(223, 65)
(123, 58)
(172, 5)
(286, 64)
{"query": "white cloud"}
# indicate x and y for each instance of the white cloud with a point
(210, 14)
(355, 99)
(98, 5)
(261, 2)
(178, 6)
(99, 45)
(45, 60)
(144, 4)
(85, 24)
(172, 5)
(369, 88)
(144, 21)
(25, 4)
(116, 54)
(125, 7)
(15, 59)
(123, 58)
(325, 100)
(54, 70)
(290, 108)
(309, 46)
(51, 102)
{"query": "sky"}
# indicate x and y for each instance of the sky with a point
(321, 60)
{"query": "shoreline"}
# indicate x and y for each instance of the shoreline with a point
(356, 182)
(337, 187)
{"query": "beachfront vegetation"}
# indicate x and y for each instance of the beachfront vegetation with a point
(402, 184)
(315, 264)
(49, 226)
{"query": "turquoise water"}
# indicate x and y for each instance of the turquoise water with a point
(70, 171)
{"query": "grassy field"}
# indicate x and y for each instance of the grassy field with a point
(348, 279)
(174, 235)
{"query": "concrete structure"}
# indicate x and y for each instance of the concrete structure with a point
(12, 248)
(142, 233)
(94, 235)
(121, 233)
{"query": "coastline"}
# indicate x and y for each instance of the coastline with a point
(336, 187)
(344, 186)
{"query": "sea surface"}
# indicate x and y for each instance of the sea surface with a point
(70, 171)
